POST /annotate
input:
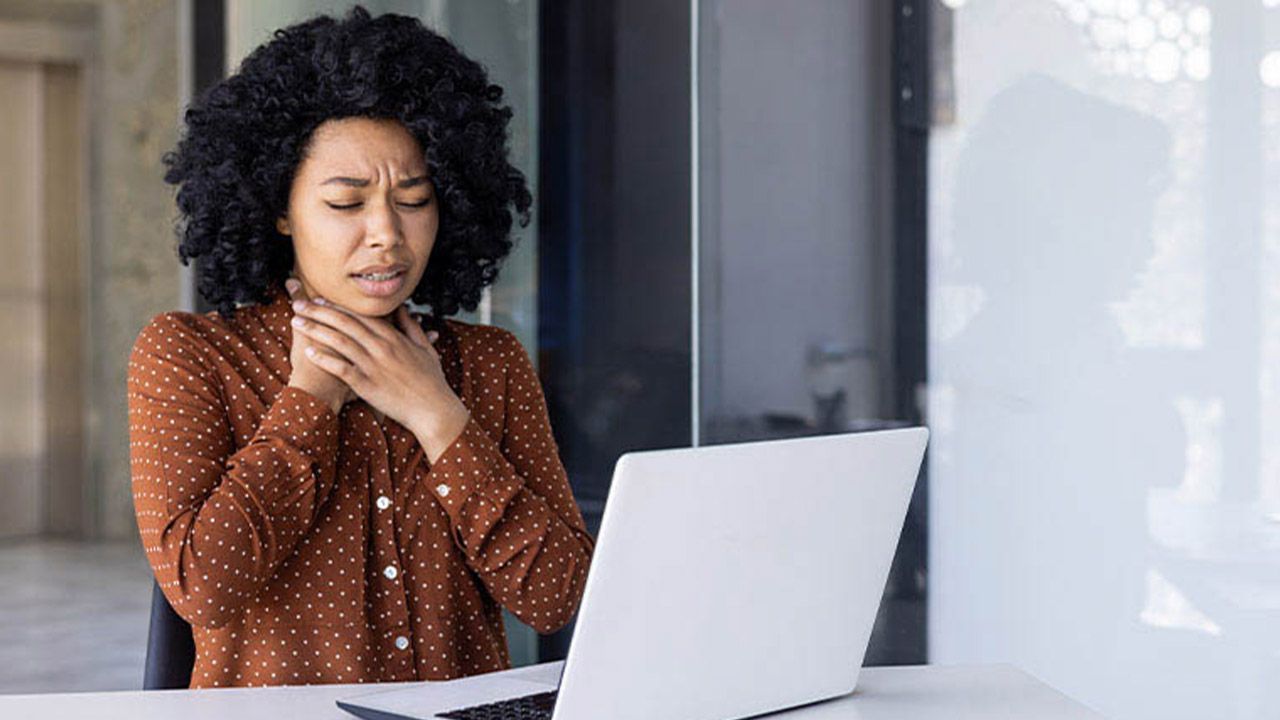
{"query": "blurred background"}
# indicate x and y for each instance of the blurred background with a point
(1049, 229)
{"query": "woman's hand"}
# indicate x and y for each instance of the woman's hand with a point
(394, 368)
(306, 374)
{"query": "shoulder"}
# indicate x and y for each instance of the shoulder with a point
(489, 346)
(165, 332)
(178, 337)
(175, 329)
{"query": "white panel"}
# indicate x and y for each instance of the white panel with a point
(1104, 274)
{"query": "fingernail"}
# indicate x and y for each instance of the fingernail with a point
(298, 322)
(292, 285)
(309, 351)
(299, 305)
(320, 301)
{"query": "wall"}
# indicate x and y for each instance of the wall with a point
(22, 285)
(103, 198)
(133, 264)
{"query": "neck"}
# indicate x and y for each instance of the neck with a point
(309, 292)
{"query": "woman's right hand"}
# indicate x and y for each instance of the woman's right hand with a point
(306, 374)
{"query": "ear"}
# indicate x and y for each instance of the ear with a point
(282, 225)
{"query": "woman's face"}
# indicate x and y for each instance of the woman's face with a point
(362, 214)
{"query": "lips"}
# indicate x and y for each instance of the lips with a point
(380, 288)
(380, 272)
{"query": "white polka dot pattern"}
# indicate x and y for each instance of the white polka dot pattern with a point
(307, 547)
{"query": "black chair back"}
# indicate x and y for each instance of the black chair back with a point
(171, 652)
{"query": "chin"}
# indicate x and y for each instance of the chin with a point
(372, 300)
(372, 307)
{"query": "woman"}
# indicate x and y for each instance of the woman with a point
(328, 488)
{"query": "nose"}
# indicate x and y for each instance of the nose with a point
(382, 228)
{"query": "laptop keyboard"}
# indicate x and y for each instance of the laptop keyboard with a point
(526, 707)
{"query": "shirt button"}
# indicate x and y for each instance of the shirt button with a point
(443, 490)
(402, 643)
(391, 572)
(383, 502)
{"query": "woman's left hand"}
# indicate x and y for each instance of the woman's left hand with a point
(394, 368)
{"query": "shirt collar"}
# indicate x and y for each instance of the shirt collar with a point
(276, 313)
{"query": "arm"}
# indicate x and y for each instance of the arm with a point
(215, 522)
(510, 507)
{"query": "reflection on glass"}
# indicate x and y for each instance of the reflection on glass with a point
(1104, 288)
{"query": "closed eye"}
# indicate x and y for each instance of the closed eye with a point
(352, 206)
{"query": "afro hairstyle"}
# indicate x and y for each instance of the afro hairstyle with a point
(246, 135)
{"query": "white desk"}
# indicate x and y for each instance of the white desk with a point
(907, 693)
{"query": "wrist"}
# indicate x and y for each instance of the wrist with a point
(436, 431)
(334, 402)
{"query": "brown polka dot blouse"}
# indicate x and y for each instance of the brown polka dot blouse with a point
(307, 547)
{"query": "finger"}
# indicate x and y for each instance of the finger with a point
(376, 326)
(334, 340)
(292, 286)
(349, 324)
(430, 335)
(334, 365)
(411, 327)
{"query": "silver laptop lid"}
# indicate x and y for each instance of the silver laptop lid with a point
(734, 580)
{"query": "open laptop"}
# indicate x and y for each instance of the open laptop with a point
(727, 581)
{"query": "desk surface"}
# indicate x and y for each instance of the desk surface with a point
(902, 693)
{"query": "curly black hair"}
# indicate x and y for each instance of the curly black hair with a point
(246, 135)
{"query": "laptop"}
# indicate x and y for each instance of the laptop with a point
(727, 581)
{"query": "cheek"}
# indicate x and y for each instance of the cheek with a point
(422, 237)
(322, 244)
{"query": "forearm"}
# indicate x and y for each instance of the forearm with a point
(212, 550)
(533, 559)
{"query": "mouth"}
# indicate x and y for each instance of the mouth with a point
(381, 282)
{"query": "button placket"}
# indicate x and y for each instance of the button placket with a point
(393, 602)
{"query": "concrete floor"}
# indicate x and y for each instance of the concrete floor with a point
(73, 616)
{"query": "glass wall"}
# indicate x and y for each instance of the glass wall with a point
(1105, 259)
(793, 217)
(794, 327)
(614, 204)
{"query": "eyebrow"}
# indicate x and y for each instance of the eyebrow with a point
(362, 182)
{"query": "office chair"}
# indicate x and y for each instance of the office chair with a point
(171, 651)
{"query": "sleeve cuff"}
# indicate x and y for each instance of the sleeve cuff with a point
(472, 465)
(288, 467)
(303, 421)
